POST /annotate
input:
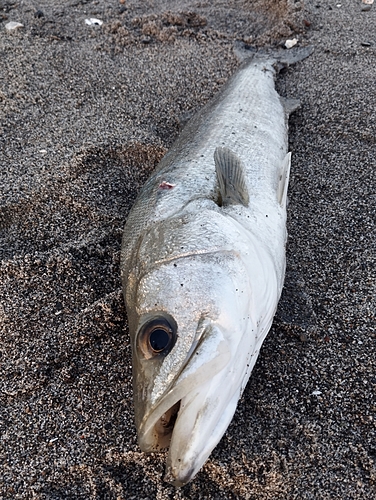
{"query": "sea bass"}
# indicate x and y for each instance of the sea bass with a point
(203, 264)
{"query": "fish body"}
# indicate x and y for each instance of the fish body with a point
(203, 264)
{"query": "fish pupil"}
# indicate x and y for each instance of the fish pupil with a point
(159, 339)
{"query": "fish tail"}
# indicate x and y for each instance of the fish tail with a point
(280, 58)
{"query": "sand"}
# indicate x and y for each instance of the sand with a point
(86, 114)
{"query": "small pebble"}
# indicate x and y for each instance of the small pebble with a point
(303, 337)
(38, 14)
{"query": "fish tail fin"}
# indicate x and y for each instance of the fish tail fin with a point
(280, 58)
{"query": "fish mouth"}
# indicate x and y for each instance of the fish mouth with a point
(165, 426)
(156, 429)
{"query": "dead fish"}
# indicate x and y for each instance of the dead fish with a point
(203, 264)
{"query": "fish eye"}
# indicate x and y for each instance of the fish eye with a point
(157, 337)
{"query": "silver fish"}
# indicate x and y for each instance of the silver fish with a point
(203, 264)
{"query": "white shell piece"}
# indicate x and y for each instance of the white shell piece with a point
(12, 25)
(93, 22)
(291, 43)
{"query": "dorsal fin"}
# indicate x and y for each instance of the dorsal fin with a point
(231, 177)
(284, 180)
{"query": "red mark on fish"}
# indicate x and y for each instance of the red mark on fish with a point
(166, 185)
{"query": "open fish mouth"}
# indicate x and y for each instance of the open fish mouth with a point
(157, 426)
(165, 426)
(156, 430)
(174, 430)
(190, 427)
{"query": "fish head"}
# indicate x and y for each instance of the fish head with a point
(189, 325)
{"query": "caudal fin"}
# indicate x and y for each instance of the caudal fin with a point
(280, 58)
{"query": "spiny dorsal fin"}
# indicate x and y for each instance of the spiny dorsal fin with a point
(283, 183)
(231, 177)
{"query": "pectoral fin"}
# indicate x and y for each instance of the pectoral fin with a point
(231, 177)
(284, 180)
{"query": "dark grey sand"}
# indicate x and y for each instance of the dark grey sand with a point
(86, 113)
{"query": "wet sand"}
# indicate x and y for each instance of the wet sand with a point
(86, 112)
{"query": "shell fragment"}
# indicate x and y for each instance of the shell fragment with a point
(93, 22)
